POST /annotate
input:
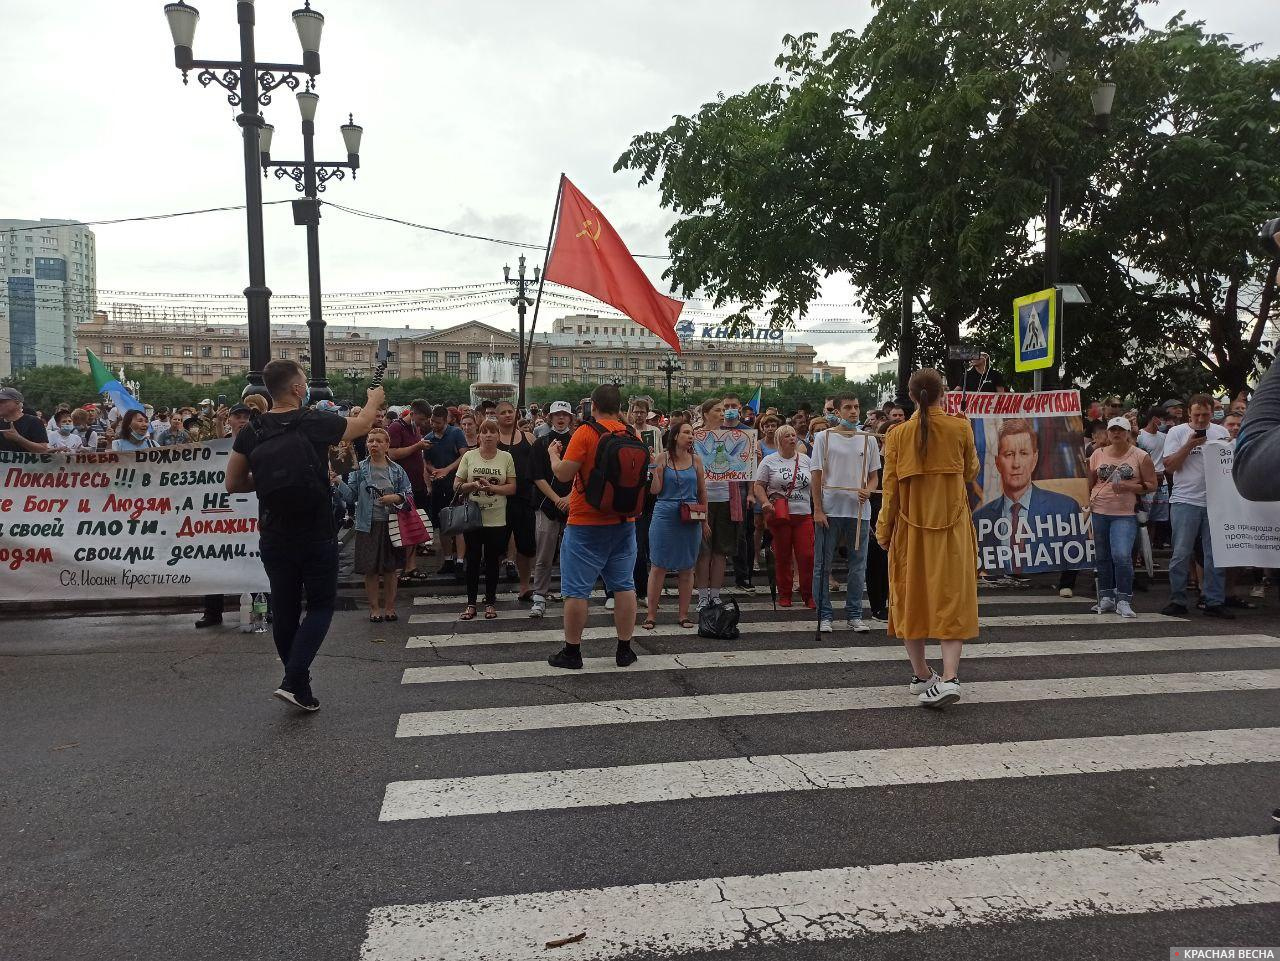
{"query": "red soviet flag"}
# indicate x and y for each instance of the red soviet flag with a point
(588, 255)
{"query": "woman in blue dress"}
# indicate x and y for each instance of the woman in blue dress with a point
(674, 543)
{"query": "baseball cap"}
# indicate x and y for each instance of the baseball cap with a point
(240, 409)
(1121, 422)
(560, 407)
(10, 393)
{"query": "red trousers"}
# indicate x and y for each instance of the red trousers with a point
(794, 537)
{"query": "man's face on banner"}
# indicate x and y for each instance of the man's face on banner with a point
(1016, 461)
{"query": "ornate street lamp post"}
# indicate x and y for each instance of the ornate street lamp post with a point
(249, 84)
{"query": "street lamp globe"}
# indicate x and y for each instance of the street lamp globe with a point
(307, 103)
(265, 134)
(310, 25)
(351, 134)
(182, 23)
(1104, 98)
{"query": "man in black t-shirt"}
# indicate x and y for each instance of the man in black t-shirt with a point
(981, 378)
(20, 432)
(551, 499)
(297, 530)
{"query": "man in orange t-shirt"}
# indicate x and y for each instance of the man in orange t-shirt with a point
(596, 545)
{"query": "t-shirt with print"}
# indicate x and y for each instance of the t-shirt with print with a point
(840, 458)
(1105, 499)
(493, 507)
(776, 473)
(582, 450)
(1188, 480)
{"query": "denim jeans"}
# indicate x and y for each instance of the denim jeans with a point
(824, 550)
(1188, 522)
(295, 569)
(1113, 538)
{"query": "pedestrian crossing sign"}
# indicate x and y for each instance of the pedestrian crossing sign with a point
(1034, 330)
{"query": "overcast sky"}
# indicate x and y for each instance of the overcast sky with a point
(471, 110)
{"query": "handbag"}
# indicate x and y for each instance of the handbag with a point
(459, 517)
(782, 502)
(693, 513)
(409, 527)
(719, 621)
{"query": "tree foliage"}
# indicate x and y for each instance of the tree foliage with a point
(45, 388)
(917, 152)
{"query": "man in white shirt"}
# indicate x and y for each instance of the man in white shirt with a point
(1151, 438)
(846, 469)
(1188, 513)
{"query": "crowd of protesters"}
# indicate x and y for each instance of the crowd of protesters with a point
(814, 502)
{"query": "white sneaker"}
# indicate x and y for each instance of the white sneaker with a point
(940, 694)
(824, 627)
(918, 686)
(703, 604)
(1066, 592)
(859, 626)
(608, 603)
(539, 608)
(1105, 605)
(1125, 609)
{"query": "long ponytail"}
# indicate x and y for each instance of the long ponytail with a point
(925, 388)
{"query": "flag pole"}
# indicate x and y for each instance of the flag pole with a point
(542, 278)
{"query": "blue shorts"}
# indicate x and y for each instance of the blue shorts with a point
(590, 552)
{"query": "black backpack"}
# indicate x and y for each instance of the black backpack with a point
(719, 621)
(620, 474)
(287, 475)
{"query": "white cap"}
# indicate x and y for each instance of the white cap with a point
(560, 407)
(1120, 422)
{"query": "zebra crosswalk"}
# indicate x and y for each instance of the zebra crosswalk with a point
(817, 754)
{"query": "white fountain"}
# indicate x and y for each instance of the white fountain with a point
(497, 380)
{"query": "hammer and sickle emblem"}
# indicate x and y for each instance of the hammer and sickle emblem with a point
(591, 230)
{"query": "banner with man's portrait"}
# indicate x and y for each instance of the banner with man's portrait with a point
(1030, 498)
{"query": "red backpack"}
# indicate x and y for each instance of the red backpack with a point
(616, 484)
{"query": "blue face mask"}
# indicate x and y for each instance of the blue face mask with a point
(306, 396)
(847, 425)
(731, 415)
(65, 429)
(139, 436)
(832, 417)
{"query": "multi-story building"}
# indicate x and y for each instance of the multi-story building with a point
(49, 272)
(581, 348)
(824, 373)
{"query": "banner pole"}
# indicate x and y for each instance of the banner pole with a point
(542, 278)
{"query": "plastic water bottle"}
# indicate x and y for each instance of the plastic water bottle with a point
(259, 613)
(246, 613)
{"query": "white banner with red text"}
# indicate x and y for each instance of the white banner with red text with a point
(146, 523)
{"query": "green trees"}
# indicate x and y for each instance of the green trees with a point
(44, 388)
(918, 151)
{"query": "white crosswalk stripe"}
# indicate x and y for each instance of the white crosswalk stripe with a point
(844, 770)
(721, 914)
(669, 603)
(756, 703)
(794, 625)
(514, 670)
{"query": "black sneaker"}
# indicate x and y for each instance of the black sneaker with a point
(625, 656)
(1174, 609)
(302, 698)
(568, 657)
(1238, 603)
(208, 621)
(1219, 611)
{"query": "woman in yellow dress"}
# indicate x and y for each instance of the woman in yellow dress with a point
(927, 530)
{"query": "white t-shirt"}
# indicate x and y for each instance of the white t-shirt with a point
(61, 441)
(840, 459)
(776, 472)
(1188, 480)
(1153, 444)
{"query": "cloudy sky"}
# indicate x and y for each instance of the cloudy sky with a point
(471, 110)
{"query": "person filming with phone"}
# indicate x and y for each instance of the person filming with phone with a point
(1188, 510)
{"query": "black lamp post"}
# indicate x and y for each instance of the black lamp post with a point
(310, 178)
(249, 84)
(670, 366)
(521, 301)
(1103, 97)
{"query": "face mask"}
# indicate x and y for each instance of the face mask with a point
(65, 429)
(306, 397)
(847, 425)
(831, 417)
(139, 436)
(731, 415)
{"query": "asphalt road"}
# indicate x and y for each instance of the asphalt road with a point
(157, 803)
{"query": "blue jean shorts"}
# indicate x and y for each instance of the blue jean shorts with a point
(590, 552)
